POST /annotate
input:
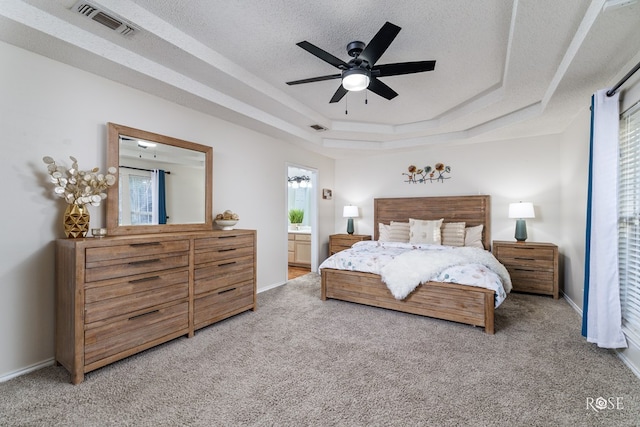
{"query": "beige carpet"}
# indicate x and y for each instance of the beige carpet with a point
(299, 361)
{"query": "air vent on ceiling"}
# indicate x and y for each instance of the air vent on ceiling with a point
(105, 18)
(319, 128)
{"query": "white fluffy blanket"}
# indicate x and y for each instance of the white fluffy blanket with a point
(405, 272)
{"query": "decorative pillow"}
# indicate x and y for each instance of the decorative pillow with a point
(425, 231)
(399, 232)
(384, 232)
(473, 236)
(453, 233)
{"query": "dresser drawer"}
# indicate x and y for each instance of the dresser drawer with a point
(222, 274)
(526, 280)
(539, 258)
(134, 250)
(225, 241)
(127, 333)
(222, 254)
(219, 305)
(117, 297)
(113, 268)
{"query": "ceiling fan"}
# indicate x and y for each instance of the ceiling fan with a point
(361, 72)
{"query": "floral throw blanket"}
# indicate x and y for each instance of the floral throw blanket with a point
(403, 266)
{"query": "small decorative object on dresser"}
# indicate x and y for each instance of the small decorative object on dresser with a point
(533, 266)
(227, 220)
(79, 189)
(340, 242)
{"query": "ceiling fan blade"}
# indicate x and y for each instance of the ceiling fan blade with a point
(379, 88)
(325, 56)
(315, 79)
(404, 68)
(340, 93)
(380, 42)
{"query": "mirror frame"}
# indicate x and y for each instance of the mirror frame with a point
(113, 159)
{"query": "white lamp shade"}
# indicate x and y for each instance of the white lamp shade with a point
(521, 210)
(350, 212)
(355, 80)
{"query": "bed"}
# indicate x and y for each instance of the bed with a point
(448, 301)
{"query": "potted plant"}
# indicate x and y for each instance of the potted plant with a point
(296, 216)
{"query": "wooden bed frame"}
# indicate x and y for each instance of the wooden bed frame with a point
(459, 303)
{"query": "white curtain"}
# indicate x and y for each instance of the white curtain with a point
(154, 197)
(602, 319)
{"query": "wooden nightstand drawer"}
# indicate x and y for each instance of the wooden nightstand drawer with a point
(533, 267)
(340, 242)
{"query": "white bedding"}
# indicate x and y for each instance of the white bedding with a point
(421, 263)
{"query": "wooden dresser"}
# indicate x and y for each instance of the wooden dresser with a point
(533, 267)
(340, 242)
(117, 296)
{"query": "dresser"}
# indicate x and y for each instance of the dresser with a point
(117, 296)
(340, 242)
(533, 267)
(299, 245)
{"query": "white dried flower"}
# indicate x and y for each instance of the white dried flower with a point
(79, 187)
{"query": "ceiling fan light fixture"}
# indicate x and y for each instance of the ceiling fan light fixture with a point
(355, 80)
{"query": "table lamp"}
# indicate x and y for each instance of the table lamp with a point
(350, 212)
(520, 211)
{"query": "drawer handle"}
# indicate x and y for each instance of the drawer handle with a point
(226, 290)
(227, 263)
(144, 314)
(145, 279)
(227, 237)
(137, 245)
(525, 259)
(226, 250)
(146, 261)
(523, 269)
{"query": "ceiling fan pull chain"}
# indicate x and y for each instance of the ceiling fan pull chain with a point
(366, 97)
(346, 104)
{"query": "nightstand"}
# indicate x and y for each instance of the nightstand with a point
(340, 242)
(533, 267)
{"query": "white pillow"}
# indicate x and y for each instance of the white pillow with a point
(453, 233)
(399, 232)
(384, 232)
(425, 231)
(473, 236)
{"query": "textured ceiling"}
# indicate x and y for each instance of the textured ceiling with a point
(504, 68)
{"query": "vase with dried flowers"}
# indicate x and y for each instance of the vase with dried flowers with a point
(78, 188)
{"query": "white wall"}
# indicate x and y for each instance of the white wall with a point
(509, 171)
(47, 108)
(574, 174)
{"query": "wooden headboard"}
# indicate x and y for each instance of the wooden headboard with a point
(473, 210)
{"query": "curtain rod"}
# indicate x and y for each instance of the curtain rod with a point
(614, 89)
(142, 169)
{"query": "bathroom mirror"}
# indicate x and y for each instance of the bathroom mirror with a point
(164, 183)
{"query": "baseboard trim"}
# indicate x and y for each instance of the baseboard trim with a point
(272, 286)
(629, 356)
(27, 369)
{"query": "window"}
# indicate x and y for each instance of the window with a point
(136, 197)
(141, 202)
(629, 218)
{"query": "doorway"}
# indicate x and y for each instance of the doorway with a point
(302, 227)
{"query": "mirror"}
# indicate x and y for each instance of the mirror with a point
(164, 183)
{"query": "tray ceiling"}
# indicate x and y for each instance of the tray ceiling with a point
(505, 69)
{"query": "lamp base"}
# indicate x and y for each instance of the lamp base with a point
(350, 226)
(521, 230)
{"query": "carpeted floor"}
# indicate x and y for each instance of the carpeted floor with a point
(299, 361)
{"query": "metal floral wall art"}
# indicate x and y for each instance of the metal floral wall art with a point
(416, 175)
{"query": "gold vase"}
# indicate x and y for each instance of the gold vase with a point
(76, 221)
